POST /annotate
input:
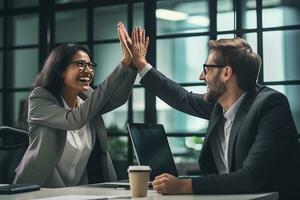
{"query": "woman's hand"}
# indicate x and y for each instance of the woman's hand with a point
(139, 47)
(125, 43)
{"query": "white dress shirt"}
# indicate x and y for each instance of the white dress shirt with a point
(144, 71)
(221, 140)
(77, 150)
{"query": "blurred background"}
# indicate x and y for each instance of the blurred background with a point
(179, 31)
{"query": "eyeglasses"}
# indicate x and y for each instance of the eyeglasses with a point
(206, 66)
(82, 65)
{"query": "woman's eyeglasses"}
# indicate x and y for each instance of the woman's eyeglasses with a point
(82, 65)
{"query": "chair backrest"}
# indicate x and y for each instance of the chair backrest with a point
(13, 144)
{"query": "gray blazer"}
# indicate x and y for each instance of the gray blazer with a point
(48, 121)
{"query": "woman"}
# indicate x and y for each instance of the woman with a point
(68, 141)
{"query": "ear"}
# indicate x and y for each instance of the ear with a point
(228, 72)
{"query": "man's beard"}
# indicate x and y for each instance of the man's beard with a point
(216, 89)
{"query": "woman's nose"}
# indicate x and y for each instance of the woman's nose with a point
(89, 69)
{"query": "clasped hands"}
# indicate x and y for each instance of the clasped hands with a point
(134, 48)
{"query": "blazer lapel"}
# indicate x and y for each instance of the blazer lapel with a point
(238, 120)
(217, 113)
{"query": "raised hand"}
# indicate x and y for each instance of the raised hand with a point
(139, 47)
(125, 43)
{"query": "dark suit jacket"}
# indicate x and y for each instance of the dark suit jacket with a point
(263, 146)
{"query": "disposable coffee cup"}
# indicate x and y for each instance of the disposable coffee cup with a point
(138, 179)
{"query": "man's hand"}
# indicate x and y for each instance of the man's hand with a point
(139, 47)
(169, 184)
(125, 43)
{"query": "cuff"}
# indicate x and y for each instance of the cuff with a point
(145, 70)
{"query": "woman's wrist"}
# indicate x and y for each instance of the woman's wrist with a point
(126, 62)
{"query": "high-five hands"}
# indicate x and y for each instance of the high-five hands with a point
(134, 49)
(139, 47)
(125, 43)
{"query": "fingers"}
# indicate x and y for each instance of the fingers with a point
(161, 183)
(126, 36)
(136, 35)
(147, 43)
(143, 37)
(162, 176)
(125, 44)
(118, 29)
(121, 32)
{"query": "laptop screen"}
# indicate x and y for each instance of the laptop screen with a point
(152, 148)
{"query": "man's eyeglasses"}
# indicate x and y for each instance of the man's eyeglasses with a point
(82, 65)
(206, 66)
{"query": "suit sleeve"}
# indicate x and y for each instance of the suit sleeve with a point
(121, 94)
(111, 93)
(275, 132)
(175, 95)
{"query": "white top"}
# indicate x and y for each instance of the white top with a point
(222, 140)
(76, 153)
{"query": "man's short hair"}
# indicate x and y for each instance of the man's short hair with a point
(238, 54)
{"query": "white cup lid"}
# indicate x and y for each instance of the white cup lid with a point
(139, 168)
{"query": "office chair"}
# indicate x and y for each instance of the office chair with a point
(13, 144)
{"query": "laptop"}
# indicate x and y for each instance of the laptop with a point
(151, 148)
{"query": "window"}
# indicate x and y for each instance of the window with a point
(181, 59)
(20, 109)
(70, 26)
(180, 31)
(225, 15)
(106, 19)
(1, 32)
(1, 102)
(280, 60)
(1, 69)
(138, 99)
(67, 1)
(106, 64)
(21, 51)
(24, 67)
(280, 13)
(179, 16)
(24, 25)
(293, 95)
(22, 4)
(177, 122)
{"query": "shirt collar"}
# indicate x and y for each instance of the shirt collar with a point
(231, 112)
(66, 106)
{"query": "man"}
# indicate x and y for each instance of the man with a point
(251, 145)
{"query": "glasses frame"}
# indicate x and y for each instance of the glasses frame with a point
(205, 66)
(82, 65)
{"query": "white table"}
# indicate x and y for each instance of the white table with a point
(125, 194)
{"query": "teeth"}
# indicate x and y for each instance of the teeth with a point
(84, 78)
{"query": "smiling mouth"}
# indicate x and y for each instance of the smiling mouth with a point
(85, 79)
